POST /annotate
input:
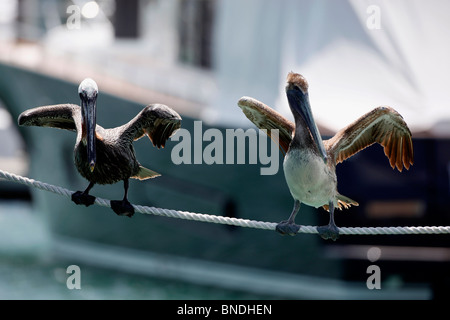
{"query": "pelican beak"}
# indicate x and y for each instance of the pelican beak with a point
(299, 102)
(88, 106)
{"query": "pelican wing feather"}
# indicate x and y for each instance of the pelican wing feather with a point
(382, 125)
(61, 116)
(266, 118)
(157, 121)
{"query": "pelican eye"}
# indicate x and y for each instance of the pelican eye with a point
(297, 88)
(88, 94)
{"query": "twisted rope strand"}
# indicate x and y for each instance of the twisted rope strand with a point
(227, 220)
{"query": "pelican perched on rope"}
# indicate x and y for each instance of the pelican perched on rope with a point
(310, 163)
(105, 156)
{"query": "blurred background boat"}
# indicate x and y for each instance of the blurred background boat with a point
(200, 57)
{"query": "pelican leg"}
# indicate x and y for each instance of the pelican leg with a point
(329, 231)
(83, 197)
(123, 207)
(288, 226)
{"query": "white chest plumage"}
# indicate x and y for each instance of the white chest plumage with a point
(309, 179)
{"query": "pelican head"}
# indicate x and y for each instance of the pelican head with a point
(298, 98)
(88, 91)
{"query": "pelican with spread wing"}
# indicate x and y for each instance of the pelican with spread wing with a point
(106, 156)
(310, 163)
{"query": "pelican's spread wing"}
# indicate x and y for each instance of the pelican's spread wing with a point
(383, 125)
(61, 116)
(157, 121)
(265, 117)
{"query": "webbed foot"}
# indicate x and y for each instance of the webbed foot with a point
(287, 228)
(122, 208)
(81, 197)
(329, 231)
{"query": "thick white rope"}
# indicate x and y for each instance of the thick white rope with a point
(227, 220)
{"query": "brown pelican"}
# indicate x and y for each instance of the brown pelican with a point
(310, 163)
(105, 156)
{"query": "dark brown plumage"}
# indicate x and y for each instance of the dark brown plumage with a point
(113, 157)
